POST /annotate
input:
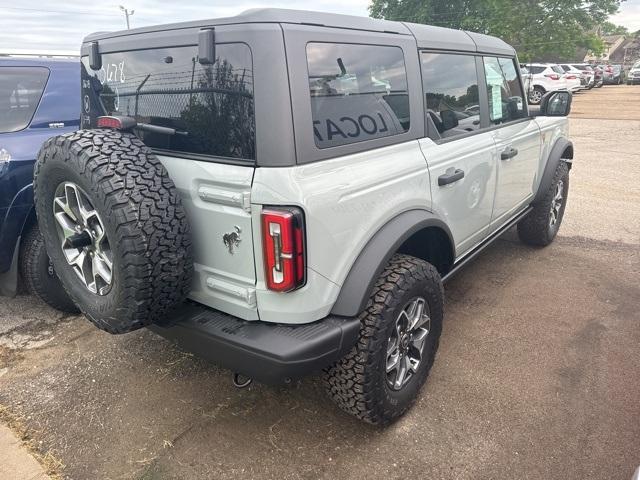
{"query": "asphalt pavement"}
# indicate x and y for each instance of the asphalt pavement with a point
(537, 376)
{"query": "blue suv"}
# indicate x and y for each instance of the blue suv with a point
(39, 98)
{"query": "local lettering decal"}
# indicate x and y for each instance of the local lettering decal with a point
(348, 127)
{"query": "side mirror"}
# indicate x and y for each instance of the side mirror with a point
(556, 104)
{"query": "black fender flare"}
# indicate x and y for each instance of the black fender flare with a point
(555, 157)
(360, 280)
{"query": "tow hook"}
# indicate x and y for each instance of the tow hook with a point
(240, 381)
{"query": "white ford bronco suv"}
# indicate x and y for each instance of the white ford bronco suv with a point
(284, 192)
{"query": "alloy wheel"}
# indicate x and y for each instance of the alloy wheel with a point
(556, 204)
(83, 238)
(406, 344)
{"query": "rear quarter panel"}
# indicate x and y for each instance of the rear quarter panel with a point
(346, 201)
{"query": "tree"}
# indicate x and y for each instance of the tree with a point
(609, 28)
(536, 29)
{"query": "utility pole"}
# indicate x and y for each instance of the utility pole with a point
(127, 13)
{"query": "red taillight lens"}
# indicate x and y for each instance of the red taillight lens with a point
(119, 123)
(553, 76)
(109, 122)
(283, 243)
(571, 77)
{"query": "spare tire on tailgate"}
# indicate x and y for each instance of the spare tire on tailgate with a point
(114, 227)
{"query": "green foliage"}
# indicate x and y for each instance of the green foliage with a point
(609, 28)
(537, 29)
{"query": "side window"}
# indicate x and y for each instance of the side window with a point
(358, 92)
(20, 92)
(536, 70)
(450, 85)
(506, 100)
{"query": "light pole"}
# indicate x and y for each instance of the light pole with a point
(127, 13)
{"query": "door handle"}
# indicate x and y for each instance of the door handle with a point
(448, 178)
(508, 153)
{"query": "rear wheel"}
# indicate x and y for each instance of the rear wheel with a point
(379, 379)
(38, 274)
(535, 97)
(541, 226)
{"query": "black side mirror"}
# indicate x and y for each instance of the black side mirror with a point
(556, 104)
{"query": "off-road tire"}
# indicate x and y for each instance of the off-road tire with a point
(143, 218)
(357, 383)
(38, 275)
(535, 228)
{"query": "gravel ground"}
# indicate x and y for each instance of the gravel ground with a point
(537, 376)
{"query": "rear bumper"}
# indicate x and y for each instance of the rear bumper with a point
(269, 353)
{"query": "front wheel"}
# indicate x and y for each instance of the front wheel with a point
(379, 379)
(541, 226)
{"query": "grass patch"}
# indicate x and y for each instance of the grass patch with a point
(52, 465)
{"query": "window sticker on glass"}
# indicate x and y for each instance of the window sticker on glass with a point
(494, 85)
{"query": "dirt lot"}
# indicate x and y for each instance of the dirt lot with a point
(538, 373)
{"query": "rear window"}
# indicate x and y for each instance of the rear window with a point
(557, 69)
(536, 70)
(211, 107)
(20, 92)
(358, 92)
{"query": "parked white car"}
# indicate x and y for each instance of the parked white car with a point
(548, 77)
(584, 76)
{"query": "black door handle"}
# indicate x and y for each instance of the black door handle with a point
(448, 178)
(508, 153)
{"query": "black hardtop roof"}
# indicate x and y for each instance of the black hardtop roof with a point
(427, 36)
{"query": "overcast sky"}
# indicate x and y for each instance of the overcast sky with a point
(54, 25)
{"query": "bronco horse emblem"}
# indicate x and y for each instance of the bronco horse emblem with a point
(232, 239)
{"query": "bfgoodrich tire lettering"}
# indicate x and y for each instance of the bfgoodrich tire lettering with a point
(143, 219)
(358, 383)
(540, 227)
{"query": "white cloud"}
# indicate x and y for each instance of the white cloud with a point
(61, 25)
(629, 15)
(46, 25)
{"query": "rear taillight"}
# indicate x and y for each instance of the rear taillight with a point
(283, 243)
(570, 77)
(119, 123)
(553, 76)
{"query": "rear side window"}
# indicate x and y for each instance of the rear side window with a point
(450, 83)
(211, 107)
(358, 92)
(20, 92)
(506, 100)
(537, 70)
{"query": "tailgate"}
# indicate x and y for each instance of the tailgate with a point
(206, 142)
